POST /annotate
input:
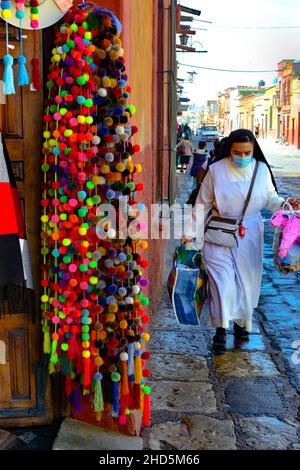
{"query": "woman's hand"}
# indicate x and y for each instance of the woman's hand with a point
(185, 240)
(294, 203)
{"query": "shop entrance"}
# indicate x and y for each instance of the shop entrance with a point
(22, 379)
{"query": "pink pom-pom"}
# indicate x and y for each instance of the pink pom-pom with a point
(34, 24)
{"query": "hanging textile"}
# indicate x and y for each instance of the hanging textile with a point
(16, 286)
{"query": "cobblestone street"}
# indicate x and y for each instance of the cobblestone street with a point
(247, 398)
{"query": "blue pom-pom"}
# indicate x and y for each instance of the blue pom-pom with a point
(119, 111)
(20, 15)
(122, 83)
(8, 76)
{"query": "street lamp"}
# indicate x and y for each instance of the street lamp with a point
(192, 75)
(184, 39)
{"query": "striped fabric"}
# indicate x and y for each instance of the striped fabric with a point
(16, 286)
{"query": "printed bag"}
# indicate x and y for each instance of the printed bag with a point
(291, 262)
(187, 285)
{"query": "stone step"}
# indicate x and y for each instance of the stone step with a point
(78, 435)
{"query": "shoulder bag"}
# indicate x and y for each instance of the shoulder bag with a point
(225, 231)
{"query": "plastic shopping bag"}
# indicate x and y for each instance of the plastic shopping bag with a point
(291, 262)
(187, 285)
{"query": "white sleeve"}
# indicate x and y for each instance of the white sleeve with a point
(274, 201)
(194, 226)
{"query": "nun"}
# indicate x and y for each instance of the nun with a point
(235, 274)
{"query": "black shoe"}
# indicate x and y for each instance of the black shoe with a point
(219, 341)
(240, 332)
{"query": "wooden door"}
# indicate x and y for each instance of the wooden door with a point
(23, 379)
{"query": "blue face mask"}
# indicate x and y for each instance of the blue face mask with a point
(241, 162)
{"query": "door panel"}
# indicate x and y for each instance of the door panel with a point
(23, 381)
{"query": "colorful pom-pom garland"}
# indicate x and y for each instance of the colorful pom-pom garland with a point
(92, 300)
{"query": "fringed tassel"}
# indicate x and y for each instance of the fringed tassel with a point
(130, 361)
(73, 351)
(146, 406)
(65, 367)
(136, 396)
(68, 385)
(125, 398)
(98, 396)
(47, 340)
(35, 70)
(8, 76)
(86, 372)
(54, 356)
(122, 419)
(76, 400)
(23, 78)
(138, 371)
(115, 377)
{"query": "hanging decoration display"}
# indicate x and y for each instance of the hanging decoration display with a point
(33, 15)
(23, 78)
(93, 288)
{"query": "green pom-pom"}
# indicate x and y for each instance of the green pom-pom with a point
(146, 390)
(115, 376)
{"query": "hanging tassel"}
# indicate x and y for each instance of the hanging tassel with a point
(8, 76)
(73, 351)
(138, 371)
(86, 372)
(65, 367)
(47, 340)
(68, 385)
(54, 356)
(146, 406)
(130, 361)
(136, 397)
(35, 67)
(98, 396)
(115, 377)
(23, 78)
(122, 419)
(76, 401)
(125, 399)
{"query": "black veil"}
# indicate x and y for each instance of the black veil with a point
(242, 135)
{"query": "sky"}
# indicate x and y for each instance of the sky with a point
(234, 41)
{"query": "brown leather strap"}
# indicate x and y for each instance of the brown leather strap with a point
(249, 192)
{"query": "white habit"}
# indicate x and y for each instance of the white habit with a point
(235, 274)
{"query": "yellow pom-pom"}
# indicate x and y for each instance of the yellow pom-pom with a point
(106, 82)
(113, 308)
(98, 361)
(145, 336)
(120, 167)
(86, 354)
(105, 169)
(34, 17)
(6, 14)
(138, 168)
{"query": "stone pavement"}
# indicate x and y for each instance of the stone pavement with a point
(247, 398)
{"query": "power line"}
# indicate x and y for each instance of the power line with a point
(255, 27)
(230, 70)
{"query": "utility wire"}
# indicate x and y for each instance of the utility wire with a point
(231, 70)
(255, 27)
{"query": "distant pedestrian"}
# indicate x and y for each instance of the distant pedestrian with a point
(257, 131)
(212, 153)
(185, 149)
(197, 160)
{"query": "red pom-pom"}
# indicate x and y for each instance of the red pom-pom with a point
(144, 263)
(136, 148)
(146, 372)
(145, 355)
(139, 187)
(134, 130)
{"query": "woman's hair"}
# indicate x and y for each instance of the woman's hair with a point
(201, 144)
(242, 136)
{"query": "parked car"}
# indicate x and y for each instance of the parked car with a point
(209, 132)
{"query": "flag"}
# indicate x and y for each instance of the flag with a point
(16, 284)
